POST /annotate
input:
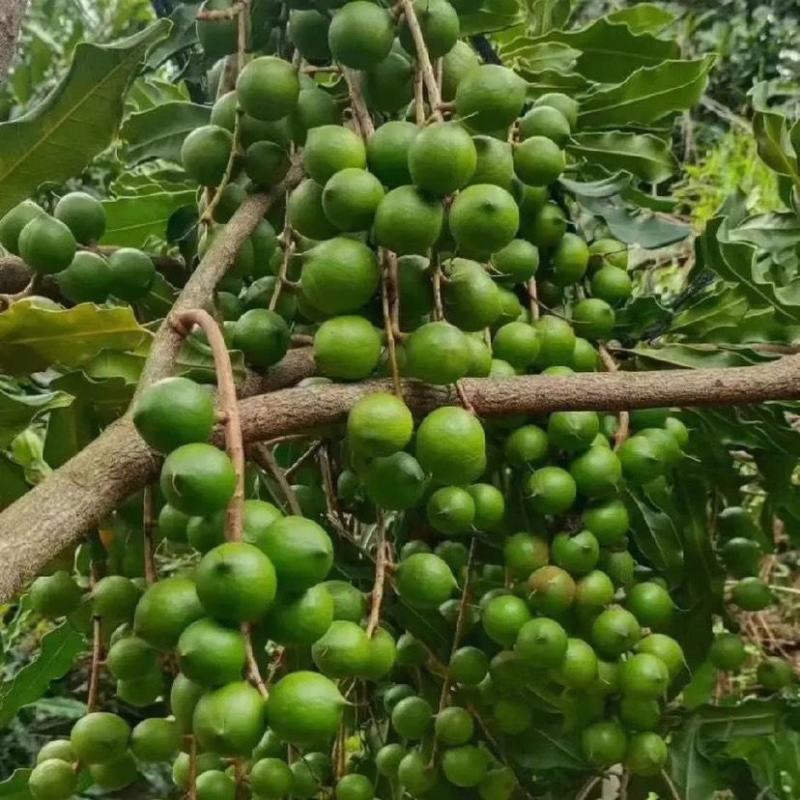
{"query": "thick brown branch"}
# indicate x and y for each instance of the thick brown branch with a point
(78, 495)
(199, 288)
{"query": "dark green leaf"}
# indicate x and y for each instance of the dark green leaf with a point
(606, 187)
(636, 227)
(547, 747)
(646, 156)
(75, 122)
(655, 537)
(701, 687)
(182, 35)
(751, 717)
(773, 137)
(648, 95)
(692, 774)
(69, 430)
(159, 132)
(12, 481)
(58, 651)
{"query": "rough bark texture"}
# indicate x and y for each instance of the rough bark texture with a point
(11, 14)
(199, 289)
(76, 497)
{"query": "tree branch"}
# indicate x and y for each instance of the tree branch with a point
(78, 495)
(11, 14)
(200, 287)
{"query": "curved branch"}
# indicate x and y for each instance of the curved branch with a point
(78, 495)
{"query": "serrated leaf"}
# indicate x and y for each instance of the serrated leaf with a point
(182, 35)
(159, 132)
(635, 226)
(78, 120)
(17, 411)
(773, 137)
(131, 221)
(605, 187)
(735, 262)
(58, 650)
(648, 95)
(611, 51)
(644, 17)
(534, 58)
(546, 15)
(33, 338)
(648, 157)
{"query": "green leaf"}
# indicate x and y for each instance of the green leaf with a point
(182, 35)
(692, 774)
(701, 687)
(773, 137)
(634, 226)
(545, 15)
(751, 717)
(534, 58)
(735, 262)
(644, 18)
(15, 787)
(648, 95)
(655, 536)
(722, 308)
(644, 155)
(159, 132)
(493, 15)
(132, 221)
(58, 651)
(17, 411)
(611, 51)
(69, 430)
(33, 338)
(605, 187)
(75, 122)
(547, 747)
(12, 481)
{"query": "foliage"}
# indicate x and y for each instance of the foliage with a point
(71, 369)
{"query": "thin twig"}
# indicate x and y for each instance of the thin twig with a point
(359, 104)
(419, 98)
(624, 417)
(587, 788)
(533, 298)
(229, 408)
(253, 672)
(670, 785)
(388, 321)
(93, 694)
(423, 58)
(309, 453)
(461, 619)
(283, 271)
(149, 526)
(192, 793)
(264, 457)
(376, 598)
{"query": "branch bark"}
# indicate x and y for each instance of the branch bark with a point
(11, 14)
(78, 495)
